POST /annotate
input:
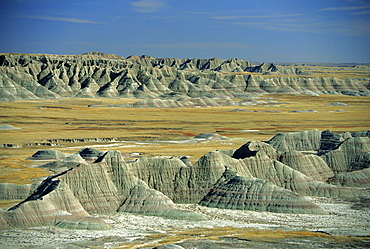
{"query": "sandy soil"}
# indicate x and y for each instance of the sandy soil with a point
(129, 228)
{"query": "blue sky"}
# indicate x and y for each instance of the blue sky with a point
(263, 30)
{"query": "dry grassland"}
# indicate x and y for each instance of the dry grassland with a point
(343, 73)
(168, 132)
(337, 72)
(250, 235)
(165, 132)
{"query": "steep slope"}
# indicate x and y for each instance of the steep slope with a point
(255, 176)
(352, 154)
(97, 74)
(179, 181)
(357, 178)
(51, 203)
(246, 193)
(311, 165)
(345, 158)
(67, 199)
(262, 167)
(300, 141)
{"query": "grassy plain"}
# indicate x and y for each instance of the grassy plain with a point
(248, 237)
(162, 132)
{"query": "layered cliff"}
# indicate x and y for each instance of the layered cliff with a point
(257, 176)
(93, 75)
(247, 193)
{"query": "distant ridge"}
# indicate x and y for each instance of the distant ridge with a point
(100, 54)
(96, 74)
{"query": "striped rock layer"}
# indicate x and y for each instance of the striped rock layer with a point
(164, 82)
(275, 176)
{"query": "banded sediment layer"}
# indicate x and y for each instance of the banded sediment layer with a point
(162, 82)
(273, 176)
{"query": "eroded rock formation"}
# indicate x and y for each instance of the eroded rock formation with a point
(97, 74)
(274, 177)
(246, 193)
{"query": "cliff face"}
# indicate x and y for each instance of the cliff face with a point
(246, 193)
(93, 75)
(257, 176)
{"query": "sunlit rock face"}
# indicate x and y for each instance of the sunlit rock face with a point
(52, 203)
(276, 176)
(100, 75)
(300, 141)
(345, 157)
(246, 193)
(181, 182)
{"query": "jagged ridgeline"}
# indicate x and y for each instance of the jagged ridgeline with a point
(181, 81)
(273, 176)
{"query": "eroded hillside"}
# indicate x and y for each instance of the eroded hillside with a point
(259, 176)
(178, 82)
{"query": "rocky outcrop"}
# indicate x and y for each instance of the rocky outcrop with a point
(344, 158)
(330, 140)
(251, 148)
(262, 167)
(69, 198)
(300, 141)
(97, 74)
(65, 164)
(357, 178)
(53, 204)
(29, 145)
(48, 155)
(351, 155)
(314, 141)
(274, 177)
(176, 179)
(310, 165)
(246, 193)
(90, 153)
(82, 140)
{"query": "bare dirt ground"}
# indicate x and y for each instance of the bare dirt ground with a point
(343, 227)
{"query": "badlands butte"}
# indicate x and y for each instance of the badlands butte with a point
(99, 150)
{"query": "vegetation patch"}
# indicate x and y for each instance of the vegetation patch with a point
(220, 234)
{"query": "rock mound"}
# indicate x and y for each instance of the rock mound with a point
(352, 154)
(310, 165)
(345, 158)
(300, 141)
(90, 153)
(65, 164)
(247, 193)
(357, 178)
(51, 204)
(49, 154)
(339, 104)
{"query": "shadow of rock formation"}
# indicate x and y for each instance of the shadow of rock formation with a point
(178, 82)
(273, 176)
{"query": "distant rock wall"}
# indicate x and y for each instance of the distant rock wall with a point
(94, 75)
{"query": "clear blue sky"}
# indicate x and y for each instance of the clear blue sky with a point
(260, 30)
